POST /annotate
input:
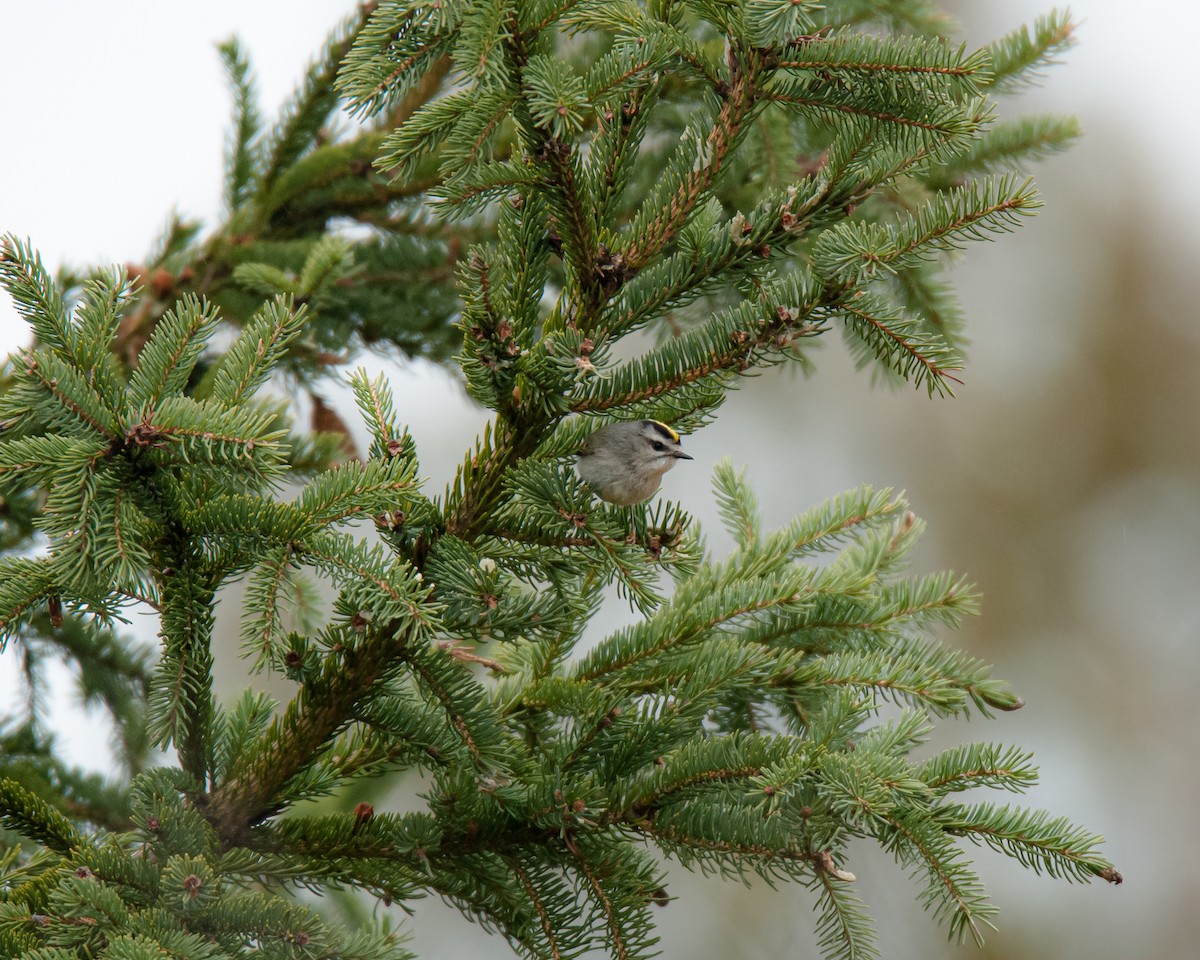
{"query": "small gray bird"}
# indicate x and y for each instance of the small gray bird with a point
(624, 462)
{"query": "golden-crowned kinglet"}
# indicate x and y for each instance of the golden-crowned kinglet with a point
(625, 462)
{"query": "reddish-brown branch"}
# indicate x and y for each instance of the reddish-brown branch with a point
(539, 906)
(616, 939)
(903, 343)
(738, 101)
(51, 386)
(959, 71)
(854, 110)
(323, 707)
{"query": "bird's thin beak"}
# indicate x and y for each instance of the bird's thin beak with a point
(680, 455)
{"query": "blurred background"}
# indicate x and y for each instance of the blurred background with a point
(1064, 478)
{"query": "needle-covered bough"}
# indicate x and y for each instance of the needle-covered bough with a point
(533, 187)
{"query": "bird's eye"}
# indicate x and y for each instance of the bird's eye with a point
(658, 445)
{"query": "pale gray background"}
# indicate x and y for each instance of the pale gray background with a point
(1064, 478)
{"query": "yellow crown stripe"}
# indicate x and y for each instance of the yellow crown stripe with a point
(665, 429)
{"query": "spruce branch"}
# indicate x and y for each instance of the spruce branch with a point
(32, 817)
(974, 765)
(1007, 144)
(385, 62)
(257, 351)
(1018, 57)
(25, 582)
(533, 184)
(755, 333)
(169, 357)
(945, 123)
(902, 343)
(845, 56)
(75, 406)
(572, 210)
(181, 701)
(299, 128)
(844, 930)
(633, 25)
(253, 792)
(649, 237)
(242, 162)
(857, 250)
(1032, 837)
(35, 295)
(953, 893)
